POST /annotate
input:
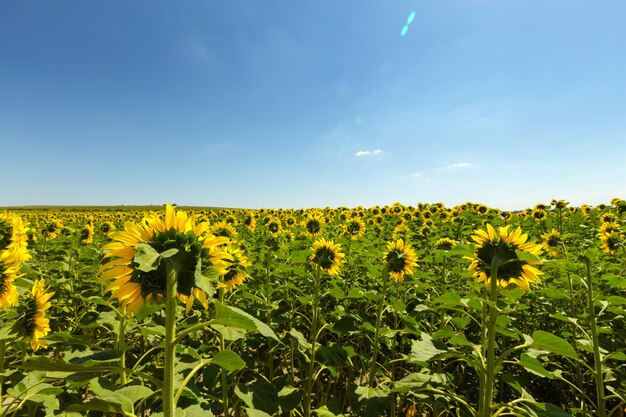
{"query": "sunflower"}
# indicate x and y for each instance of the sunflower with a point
(610, 241)
(327, 256)
(500, 250)
(313, 224)
(445, 243)
(249, 221)
(400, 259)
(32, 321)
(225, 229)
(551, 242)
(86, 235)
(235, 275)
(134, 283)
(355, 228)
(13, 236)
(273, 226)
(9, 272)
(539, 214)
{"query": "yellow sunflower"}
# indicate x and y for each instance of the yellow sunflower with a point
(355, 228)
(86, 235)
(400, 259)
(235, 274)
(610, 241)
(499, 250)
(13, 236)
(9, 272)
(552, 242)
(445, 243)
(327, 256)
(133, 283)
(32, 321)
(313, 224)
(225, 229)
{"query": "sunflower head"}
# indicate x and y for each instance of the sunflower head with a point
(141, 254)
(611, 241)
(355, 228)
(327, 256)
(9, 272)
(551, 242)
(497, 254)
(13, 236)
(32, 321)
(400, 260)
(313, 224)
(445, 243)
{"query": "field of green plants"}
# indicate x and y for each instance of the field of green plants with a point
(385, 311)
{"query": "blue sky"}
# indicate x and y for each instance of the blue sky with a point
(312, 104)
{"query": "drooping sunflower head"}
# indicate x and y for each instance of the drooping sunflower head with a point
(9, 272)
(327, 256)
(445, 243)
(249, 221)
(32, 321)
(225, 229)
(400, 260)
(497, 254)
(13, 236)
(235, 274)
(86, 235)
(552, 242)
(355, 228)
(610, 241)
(137, 279)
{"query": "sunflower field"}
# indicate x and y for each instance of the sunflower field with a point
(384, 311)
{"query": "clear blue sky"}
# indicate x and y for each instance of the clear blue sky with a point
(312, 103)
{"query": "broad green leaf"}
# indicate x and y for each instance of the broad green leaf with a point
(369, 402)
(260, 395)
(547, 341)
(232, 316)
(228, 360)
(534, 366)
(426, 349)
(147, 258)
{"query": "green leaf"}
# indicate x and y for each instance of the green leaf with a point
(147, 258)
(368, 401)
(534, 366)
(205, 281)
(260, 395)
(325, 412)
(232, 316)
(228, 360)
(289, 397)
(426, 349)
(547, 341)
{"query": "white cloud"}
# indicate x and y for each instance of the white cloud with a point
(460, 165)
(367, 153)
(417, 174)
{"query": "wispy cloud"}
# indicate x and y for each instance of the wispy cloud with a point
(368, 153)
(460, 165)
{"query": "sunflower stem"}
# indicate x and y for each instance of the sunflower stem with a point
(313, 340)
(224, 375)
(597, 357)
(169, 403)
(121, 344)
(379, 316)
(2, 353)
(486, 403)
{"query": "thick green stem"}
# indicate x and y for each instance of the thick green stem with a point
(2, 353)
(224, 374)
(313, 340)
(121, 345)
(169, 404)
(489, 376)
(596, 346)
(379, 316)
